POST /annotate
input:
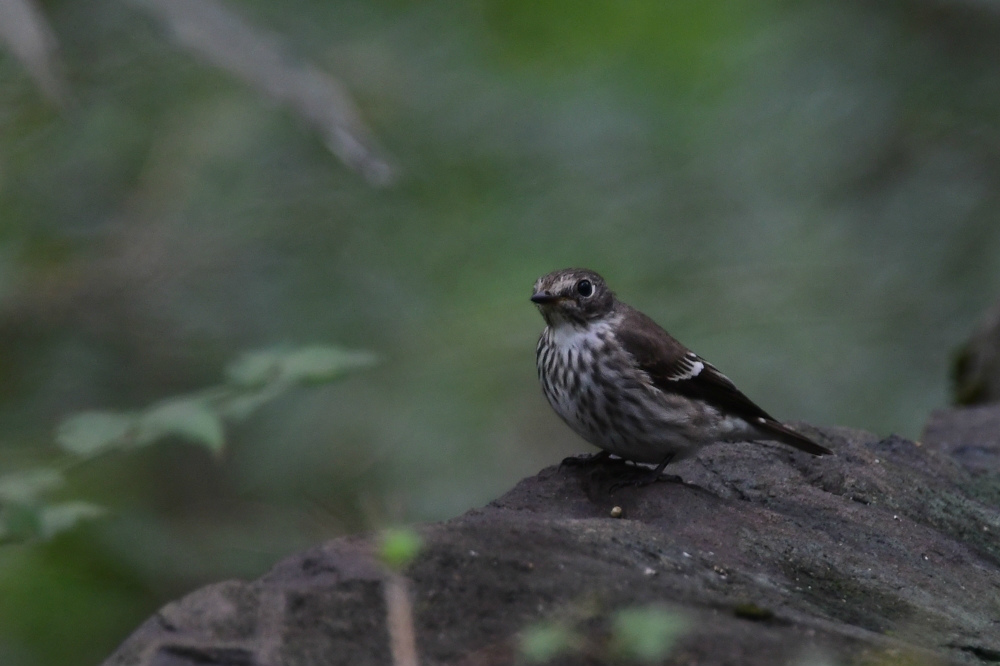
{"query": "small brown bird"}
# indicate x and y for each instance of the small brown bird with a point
(628, 387)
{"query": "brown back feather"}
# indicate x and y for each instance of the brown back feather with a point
(668, 364)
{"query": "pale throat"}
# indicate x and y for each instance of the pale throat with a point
(566, 334)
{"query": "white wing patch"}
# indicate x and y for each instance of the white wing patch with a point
(689, 367)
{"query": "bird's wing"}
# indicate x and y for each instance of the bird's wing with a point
(673, 368)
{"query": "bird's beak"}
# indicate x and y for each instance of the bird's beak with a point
(544, 298)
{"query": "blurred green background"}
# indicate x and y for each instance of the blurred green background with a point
(803, 192)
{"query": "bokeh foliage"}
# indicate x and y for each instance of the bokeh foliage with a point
(802, 191)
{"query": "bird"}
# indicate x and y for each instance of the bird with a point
(627, 386)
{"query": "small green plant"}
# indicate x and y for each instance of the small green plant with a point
(646, 633)
(545, 641)
(28, 511)
(398, 547)
(636, 633)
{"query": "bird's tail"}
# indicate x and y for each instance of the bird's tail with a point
(785, 435)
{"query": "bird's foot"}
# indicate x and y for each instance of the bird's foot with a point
(585, 460)
(638, 477)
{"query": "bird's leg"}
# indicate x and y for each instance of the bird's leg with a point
(659, 468)
(639, 480)
(585, 460)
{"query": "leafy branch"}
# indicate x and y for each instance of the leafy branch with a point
(28, 514)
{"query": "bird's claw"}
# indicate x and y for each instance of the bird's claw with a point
(584, 460)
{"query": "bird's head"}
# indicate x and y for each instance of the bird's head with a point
(573, 295)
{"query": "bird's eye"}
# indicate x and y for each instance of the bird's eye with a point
(584, 288)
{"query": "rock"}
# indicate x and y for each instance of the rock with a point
(886, 552)
(976, 368)
(971, 437)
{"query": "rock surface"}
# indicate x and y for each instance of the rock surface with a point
(886, 553)
(976, 367)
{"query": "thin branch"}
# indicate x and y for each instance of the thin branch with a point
(211, 31)
(27, 35)
(399, 618)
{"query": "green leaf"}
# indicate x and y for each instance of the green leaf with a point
(544, 642)
(646, 633)
(89, 433)
(319, 364)
(254, 369)
(305, 365)
(398, 547)
(191, 420)
(61, 517)
(25, 487)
